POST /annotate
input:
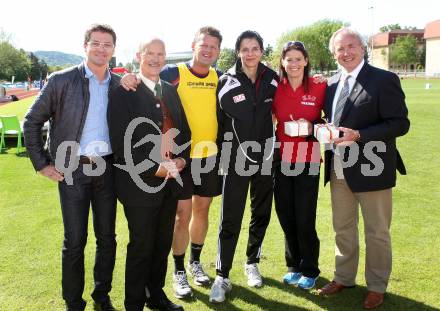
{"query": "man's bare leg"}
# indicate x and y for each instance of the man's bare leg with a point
(181, 227)
(198, 227)
(180, 243)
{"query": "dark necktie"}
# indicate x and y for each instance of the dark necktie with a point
(341, 102)
(158, 90)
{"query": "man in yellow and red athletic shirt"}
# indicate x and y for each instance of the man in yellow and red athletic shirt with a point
(196, 83)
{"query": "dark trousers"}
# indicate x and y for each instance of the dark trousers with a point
(234, 194)
(151, 234)
(99, 192)
(295, 203)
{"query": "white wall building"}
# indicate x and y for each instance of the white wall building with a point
(432, 37)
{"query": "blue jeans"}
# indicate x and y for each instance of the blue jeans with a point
(99, 192)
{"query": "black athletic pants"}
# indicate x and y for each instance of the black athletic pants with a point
(295, 203)
(234, 194)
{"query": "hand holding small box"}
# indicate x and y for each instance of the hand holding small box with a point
(295, 128)
(325, 133)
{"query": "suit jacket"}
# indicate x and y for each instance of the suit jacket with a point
(124, 107)
(376, 108)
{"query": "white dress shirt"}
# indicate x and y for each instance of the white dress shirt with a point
(149, 83)
(351, 81)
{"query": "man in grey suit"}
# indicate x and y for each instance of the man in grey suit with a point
(368, 106)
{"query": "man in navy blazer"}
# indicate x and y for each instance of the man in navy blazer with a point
(368, 106)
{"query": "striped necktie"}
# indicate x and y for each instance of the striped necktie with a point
(341, 101)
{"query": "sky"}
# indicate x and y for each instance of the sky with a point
(58, 25)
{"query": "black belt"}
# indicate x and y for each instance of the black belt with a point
(92, 160)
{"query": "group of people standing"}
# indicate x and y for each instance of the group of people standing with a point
(129, 140)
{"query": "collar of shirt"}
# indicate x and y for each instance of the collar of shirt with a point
(352, 74)
(90, 75)
(351, 81)
(289, 90)
(149, 83)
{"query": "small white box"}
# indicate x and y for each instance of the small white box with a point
(296, 128)
(325, 133)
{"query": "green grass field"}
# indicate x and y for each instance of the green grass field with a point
(31, 235)
(18, 108)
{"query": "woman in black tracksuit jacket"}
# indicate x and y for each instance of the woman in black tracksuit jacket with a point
(244, 102)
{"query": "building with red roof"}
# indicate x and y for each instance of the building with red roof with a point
(381, 42)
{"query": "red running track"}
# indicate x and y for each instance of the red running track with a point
(22, 93)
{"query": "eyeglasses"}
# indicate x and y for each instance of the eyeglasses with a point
(297, 44)
(97, 45)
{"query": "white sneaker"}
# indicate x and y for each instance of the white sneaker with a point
(181, 286)
(253, 275)
(196, 271)
(219, 288)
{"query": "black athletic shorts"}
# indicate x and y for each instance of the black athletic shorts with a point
(197, 181)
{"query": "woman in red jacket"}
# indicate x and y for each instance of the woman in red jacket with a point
(298, 98)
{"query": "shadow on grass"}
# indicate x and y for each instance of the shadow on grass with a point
(349, 299)
(249, 297)
(11, 147)
(21, 154)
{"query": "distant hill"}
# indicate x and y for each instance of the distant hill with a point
(54, 58)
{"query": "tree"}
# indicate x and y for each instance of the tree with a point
(38, 69)
(226, 59)
(390, 27)
(44, 69)
(315, 38)
(4, 36)
(35, 72)
(13, 62)
(404, 51)
(422, 57)
(129, 67)
(268, 53)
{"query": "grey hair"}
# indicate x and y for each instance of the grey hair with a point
(345, 30)
(145, 43)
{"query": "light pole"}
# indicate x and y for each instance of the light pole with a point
(371, 8)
